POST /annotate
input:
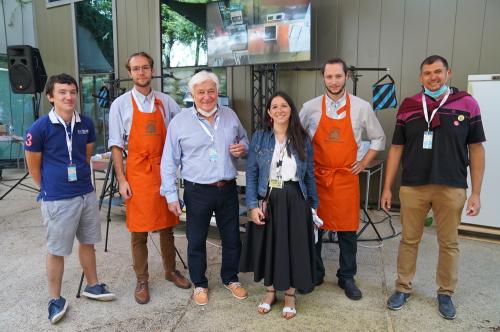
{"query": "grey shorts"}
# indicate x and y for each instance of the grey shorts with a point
(66, 218)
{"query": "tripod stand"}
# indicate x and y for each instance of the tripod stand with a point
(109, 189)
(368, 222)
(36, 105)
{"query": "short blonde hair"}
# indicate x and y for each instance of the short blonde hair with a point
(144, 55)
(201, 77)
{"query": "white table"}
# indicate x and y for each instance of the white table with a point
(13, 139)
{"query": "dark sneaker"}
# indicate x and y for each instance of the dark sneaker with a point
(98, 292)
(350, 289)
(57, 309)
(397, 300)
(446, 307)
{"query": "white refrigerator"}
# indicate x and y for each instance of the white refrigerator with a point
(486, 90)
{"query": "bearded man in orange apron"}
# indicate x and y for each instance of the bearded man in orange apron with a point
(335, 122)
(141, 117)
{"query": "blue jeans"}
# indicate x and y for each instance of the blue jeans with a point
(201, 202)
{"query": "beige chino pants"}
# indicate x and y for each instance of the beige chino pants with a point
(447, 205)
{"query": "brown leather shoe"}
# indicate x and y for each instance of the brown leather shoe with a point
(142, 292)
(178, 279)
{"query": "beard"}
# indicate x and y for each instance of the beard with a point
(143, 85)
(336, 93)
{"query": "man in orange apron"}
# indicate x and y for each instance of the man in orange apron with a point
(142, 115)
(335, 122)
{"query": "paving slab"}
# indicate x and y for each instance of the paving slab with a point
(23, 288)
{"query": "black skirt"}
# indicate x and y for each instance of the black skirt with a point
(282, 251)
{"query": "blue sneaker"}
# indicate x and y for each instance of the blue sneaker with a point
(57, 309)
(98, 292)
(446, 307)
(397, 300)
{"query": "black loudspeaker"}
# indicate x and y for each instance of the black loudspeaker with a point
(26, 71)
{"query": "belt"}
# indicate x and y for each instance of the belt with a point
(217, 184)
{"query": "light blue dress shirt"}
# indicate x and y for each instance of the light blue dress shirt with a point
(188, 145)
(121, 111)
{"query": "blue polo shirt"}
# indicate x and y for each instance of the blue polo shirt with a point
(47, 135)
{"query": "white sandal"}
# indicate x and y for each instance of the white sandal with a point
(289, 310)
(266, 307)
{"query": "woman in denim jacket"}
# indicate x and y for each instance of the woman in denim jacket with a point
(279, 243)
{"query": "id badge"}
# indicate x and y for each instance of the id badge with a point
(275, 183)
(72, 173)
(427, 144)
(212, 154)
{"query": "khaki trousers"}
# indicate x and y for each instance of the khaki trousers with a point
(140, 252)
(447, 204)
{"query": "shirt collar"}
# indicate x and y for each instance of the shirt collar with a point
(142, 98)
(53, 117)
(338, 103)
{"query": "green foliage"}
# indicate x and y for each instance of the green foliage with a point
(176, 27)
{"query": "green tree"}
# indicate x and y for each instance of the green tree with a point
(176, 27)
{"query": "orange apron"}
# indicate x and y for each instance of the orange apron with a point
(335, 149)
(146, 210)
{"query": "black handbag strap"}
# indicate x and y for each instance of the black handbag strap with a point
(383, 78)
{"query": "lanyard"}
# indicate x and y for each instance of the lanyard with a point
(204, 126)
(424, 105)
(69, 135)
(139, 104)
(279, 164)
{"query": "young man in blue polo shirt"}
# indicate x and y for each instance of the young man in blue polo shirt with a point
(58, 149)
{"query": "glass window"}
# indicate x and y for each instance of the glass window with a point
(94, 33)
(183, 33)
(96, 109)
(184, 47)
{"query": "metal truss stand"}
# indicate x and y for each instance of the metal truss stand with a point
(264, 83)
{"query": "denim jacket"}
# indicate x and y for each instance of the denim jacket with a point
(258, 169)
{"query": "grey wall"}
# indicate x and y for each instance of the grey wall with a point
(138, 29)
(16, 24)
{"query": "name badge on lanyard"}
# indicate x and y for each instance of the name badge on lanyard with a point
(213, 156)
(427, 144)
(278, 182)
(72, 173)
(69, 144)
(428, 134)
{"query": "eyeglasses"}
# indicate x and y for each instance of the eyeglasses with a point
(143, 68)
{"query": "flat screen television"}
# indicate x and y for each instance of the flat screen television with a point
(247, 32)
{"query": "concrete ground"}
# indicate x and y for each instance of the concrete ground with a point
(23, 290)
